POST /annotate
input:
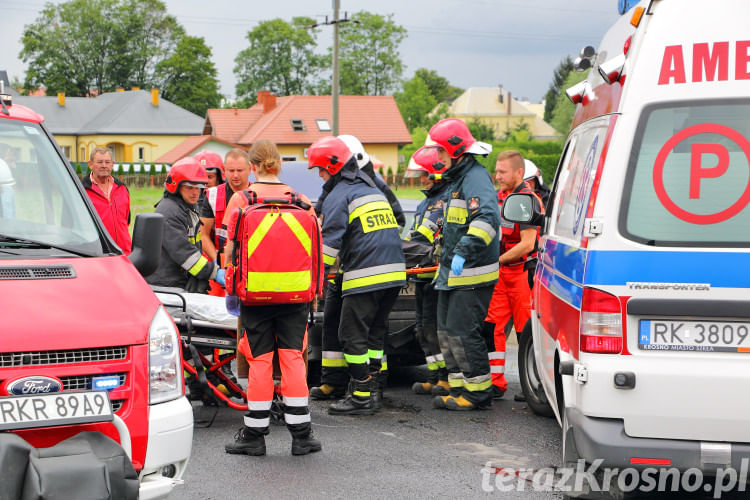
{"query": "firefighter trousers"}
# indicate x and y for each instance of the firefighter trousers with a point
(511, 299)
(281, 327)
(363, 329)
(334, 370)
(460, 319)
(426, 328)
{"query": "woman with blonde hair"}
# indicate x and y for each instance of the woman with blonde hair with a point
(269, 327)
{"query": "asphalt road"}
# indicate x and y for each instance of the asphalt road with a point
(407, 450)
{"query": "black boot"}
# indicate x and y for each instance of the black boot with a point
(327, 391)
(303, 440)
(248, 441)
(358, 400)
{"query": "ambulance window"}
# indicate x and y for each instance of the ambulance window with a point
(39, 200)
(688, 180)
(575, 180)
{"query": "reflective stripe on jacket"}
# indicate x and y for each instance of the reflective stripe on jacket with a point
(359, 228)
(471, 219)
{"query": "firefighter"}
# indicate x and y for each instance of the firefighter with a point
(428, 220)
(182, 263)
(512, 295)
(533, 177)
(269, 327)
(334, 373)
(360, 229)
(468, 266)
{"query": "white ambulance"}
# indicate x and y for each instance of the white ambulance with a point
(639, 341)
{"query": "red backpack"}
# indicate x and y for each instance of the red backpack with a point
(277, 254)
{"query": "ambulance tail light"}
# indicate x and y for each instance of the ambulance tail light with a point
(601, 322)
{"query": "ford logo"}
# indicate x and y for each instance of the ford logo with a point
(34, 385)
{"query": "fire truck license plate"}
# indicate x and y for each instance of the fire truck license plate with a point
(705, 336)
(58, 408)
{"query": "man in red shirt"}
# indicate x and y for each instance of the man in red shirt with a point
(109, 196)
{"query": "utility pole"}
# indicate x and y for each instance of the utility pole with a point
(335, 82)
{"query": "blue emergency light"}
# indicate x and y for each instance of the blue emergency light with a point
(625, 5)
(107, 382)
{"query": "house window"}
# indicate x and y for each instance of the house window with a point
(66, 151)
(323, 125)
(288, 158)
(298, 125)
(83, 154)
(141, 152)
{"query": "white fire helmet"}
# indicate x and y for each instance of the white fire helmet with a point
(357, 149)
(531, 171)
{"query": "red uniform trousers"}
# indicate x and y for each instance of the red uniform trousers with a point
(511, 299)
(282, 327)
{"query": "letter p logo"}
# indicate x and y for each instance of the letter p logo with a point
(698, 172)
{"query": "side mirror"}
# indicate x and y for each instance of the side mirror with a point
(521, 209)
(147, 236)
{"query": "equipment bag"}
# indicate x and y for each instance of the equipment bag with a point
(277, 255)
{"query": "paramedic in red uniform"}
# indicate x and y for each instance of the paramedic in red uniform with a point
(269, 327)
(109, 196)
(237, 172)
(512, 295)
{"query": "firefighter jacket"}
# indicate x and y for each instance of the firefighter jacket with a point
(360, 229)
(471, 219)
(114, 212)
(398, 212)
(181, 264)
(511, 232)
(428, 220)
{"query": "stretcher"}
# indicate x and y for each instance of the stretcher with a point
(206, 330)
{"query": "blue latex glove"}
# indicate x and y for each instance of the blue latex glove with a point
(457, 264)
(220, 277)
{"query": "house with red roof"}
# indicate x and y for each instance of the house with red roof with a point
(194, 144)
(295, 122)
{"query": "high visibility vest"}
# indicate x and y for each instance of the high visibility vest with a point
(277, 252)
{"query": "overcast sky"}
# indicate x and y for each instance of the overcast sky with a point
(472, 43)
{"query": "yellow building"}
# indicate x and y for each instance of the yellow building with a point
(496, 107)
(136, 125)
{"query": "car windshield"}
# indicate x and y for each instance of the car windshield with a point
(39, 202)
(689, 176)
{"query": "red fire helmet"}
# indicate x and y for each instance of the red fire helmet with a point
(185, 170)
(329, 153)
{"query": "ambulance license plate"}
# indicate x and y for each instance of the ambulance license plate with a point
(55, 408)
(705, 336)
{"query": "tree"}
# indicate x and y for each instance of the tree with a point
(557, 86)
(83, 45)
(369, 60)
(564, 110)
(481, 131)
(188, 77)
(280, 58)
(439, 86)
(415, 103)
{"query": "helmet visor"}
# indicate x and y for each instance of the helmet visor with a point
(199, 185)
